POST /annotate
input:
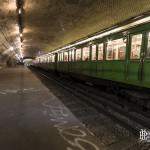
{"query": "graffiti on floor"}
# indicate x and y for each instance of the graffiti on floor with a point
(17, 91)
(72, 131)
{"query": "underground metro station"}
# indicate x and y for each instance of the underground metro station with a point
(75, 75)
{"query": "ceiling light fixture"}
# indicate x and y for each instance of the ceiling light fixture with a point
(106, 33)
(11, 48)
(21, 54)
(20, 11)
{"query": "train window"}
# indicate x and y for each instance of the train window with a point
(47, 59)
(65, 56)
(53, 58)
(148, 47)
(136, 43)
(100, 51)
(42, 60)
(93, 52)
(72, 55)
(78, 54)
(58, 57)
(86, 54)
(116, 50)
(69, 55)
(61, 56)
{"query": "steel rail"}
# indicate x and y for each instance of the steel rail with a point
(102, 103)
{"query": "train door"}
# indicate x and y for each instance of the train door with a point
(114, 63)
(72, 60)
(146, 60)
(135, 60)
(69, 60)
(56, 62)
(85, 65)
(93, 62)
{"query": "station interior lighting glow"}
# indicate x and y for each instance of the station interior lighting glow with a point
(106, 33)
(21, 55)
(20, 11)
(11, 48)
(109, 41)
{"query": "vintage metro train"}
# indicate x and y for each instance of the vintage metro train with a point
(120, 54)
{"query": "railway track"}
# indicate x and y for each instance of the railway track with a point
(107, 103)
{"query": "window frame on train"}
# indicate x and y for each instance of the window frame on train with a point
(101, 44)
(73, 54)
(131, 39)
(80, 59)
(69, 55)
(147, 54)
(115, 49)
(66, 56)
(85, 53)
(94, 57)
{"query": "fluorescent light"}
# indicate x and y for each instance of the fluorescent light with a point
(109, 41)
(20, 11)
(21, 54)
(21, 45)
(144, 20)
(17, 56)
(11, 48)
(103, 34)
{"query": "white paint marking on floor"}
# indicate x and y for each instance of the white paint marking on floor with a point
(75, 135)
(3, 93)
(16, 91)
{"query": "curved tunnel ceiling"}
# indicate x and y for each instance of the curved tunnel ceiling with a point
(9, 31)
(49, 24)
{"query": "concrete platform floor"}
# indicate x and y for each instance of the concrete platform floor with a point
(37, 114)
(33, 118)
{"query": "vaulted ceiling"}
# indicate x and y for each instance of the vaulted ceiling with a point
(8, 29)
(53, 23)
(49, 24)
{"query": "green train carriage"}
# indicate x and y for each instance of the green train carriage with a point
(122, 57)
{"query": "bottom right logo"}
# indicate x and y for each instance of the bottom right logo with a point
(144, 135)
